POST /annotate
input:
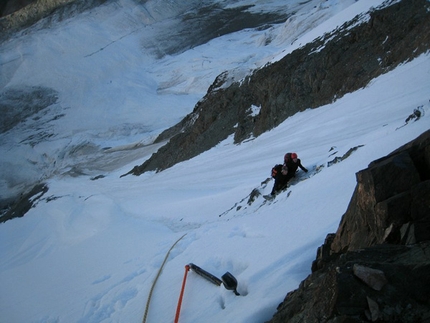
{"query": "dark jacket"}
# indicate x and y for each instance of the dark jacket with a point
(292, 167)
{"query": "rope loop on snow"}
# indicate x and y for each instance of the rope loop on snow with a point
(156, 278)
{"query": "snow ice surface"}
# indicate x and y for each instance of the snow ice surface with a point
(89, 251)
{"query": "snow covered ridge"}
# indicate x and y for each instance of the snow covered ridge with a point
(316, 74)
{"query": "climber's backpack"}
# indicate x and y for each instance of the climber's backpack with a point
(276, 170)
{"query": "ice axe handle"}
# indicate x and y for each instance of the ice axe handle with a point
(205, 274)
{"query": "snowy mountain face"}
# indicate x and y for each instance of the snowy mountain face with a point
(85, 92)
(313, 75)
(78, 89)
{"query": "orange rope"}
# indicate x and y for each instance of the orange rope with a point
(178, 309)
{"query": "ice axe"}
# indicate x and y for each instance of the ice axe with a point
(228, 280)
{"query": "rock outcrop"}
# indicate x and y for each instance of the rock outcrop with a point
(375, 267)
(391, 202)
(8, 7)
(20, 14)
(23, 204)
(316, 74)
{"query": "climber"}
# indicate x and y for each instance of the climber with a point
(283, 173)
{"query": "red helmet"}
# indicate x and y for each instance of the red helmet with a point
(293, 156)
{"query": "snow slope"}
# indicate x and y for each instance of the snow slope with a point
(90, 249)
(113, 88)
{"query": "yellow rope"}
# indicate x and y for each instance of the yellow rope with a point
(156, 278)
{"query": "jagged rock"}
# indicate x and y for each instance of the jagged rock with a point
(323, 253)
(10, 6)
(26, 201)
(375, 268)
(21, 14)
(392, 192)
(372, 277)
(345, 156)
(420, 210)
(373, 313)
(334, 294)
(407, 233)
(254, 194)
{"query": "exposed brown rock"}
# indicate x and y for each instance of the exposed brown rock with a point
(334, 293)
(391, 202)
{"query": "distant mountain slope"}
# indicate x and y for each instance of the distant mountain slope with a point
(192, 23)
(128, 61)
(316, 74)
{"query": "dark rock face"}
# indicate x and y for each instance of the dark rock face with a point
(314, 75)
(375, 268)
(208, 21)
(18, 14)
(22, 205)
(395, 288)
(391, 202)
(10, 6)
